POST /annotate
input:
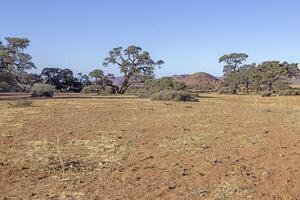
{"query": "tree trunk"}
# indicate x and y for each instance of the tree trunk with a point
(247, 88)
(270, 87)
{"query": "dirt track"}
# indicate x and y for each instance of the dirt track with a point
(222, 147)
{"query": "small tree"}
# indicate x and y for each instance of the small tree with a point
(102, 80)
(135, 65)
(232, 66)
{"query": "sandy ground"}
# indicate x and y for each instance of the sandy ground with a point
(222, 147)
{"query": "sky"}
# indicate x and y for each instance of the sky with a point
(189, 35)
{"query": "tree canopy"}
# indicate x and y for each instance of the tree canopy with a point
(135, 65)
(14, 61)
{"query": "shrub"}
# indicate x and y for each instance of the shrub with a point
(22, 103)
(107, 90)
(142, 93)
(166, 83)
(290, 92)
(98, 89)
(171, 95)
(266, 94)
(87, 89)
(225, 90)
(42, 90)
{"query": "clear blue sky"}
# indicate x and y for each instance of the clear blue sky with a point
(189, 35)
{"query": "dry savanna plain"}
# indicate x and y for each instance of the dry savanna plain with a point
(85, 147)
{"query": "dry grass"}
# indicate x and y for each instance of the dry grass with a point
(222, 147)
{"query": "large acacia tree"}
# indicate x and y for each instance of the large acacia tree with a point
(233, 64)
(135, 65)
(274, 71)
(14, 61)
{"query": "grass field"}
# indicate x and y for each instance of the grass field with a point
(222, 147)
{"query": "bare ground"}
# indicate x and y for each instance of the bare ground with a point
(222, 147)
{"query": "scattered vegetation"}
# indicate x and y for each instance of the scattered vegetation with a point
(137, 69)
(21, 103)
(171, 95)
(42, 90)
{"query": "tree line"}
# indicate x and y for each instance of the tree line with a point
(240, 77)
(136, 66)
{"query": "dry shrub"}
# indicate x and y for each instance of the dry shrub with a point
(266, 94)
(21, 103)
(225, 90)
(42, 90)
(170, 95)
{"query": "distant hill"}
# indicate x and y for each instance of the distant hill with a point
(200, 81)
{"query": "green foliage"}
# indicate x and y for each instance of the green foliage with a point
(281, 85)
(171, 95)
(135, 65)
(7, 81)
(21, 103)
(233, 70)
(268, 75)
(166, 83)
(225, 90)
(152, 86)
(101, 79)
(13, 57)
(62, 79)
(42, 90)
(274, 71)
(232, 62)
(14, 62)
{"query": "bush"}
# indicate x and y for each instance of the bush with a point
(42, 90)
(166, 83)
(108, 90)
(91, 89)
(87, 89)
(22, 103)
(142, 93)
(171, 95)
(290, 92)
(225, 90)
(266, 94)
